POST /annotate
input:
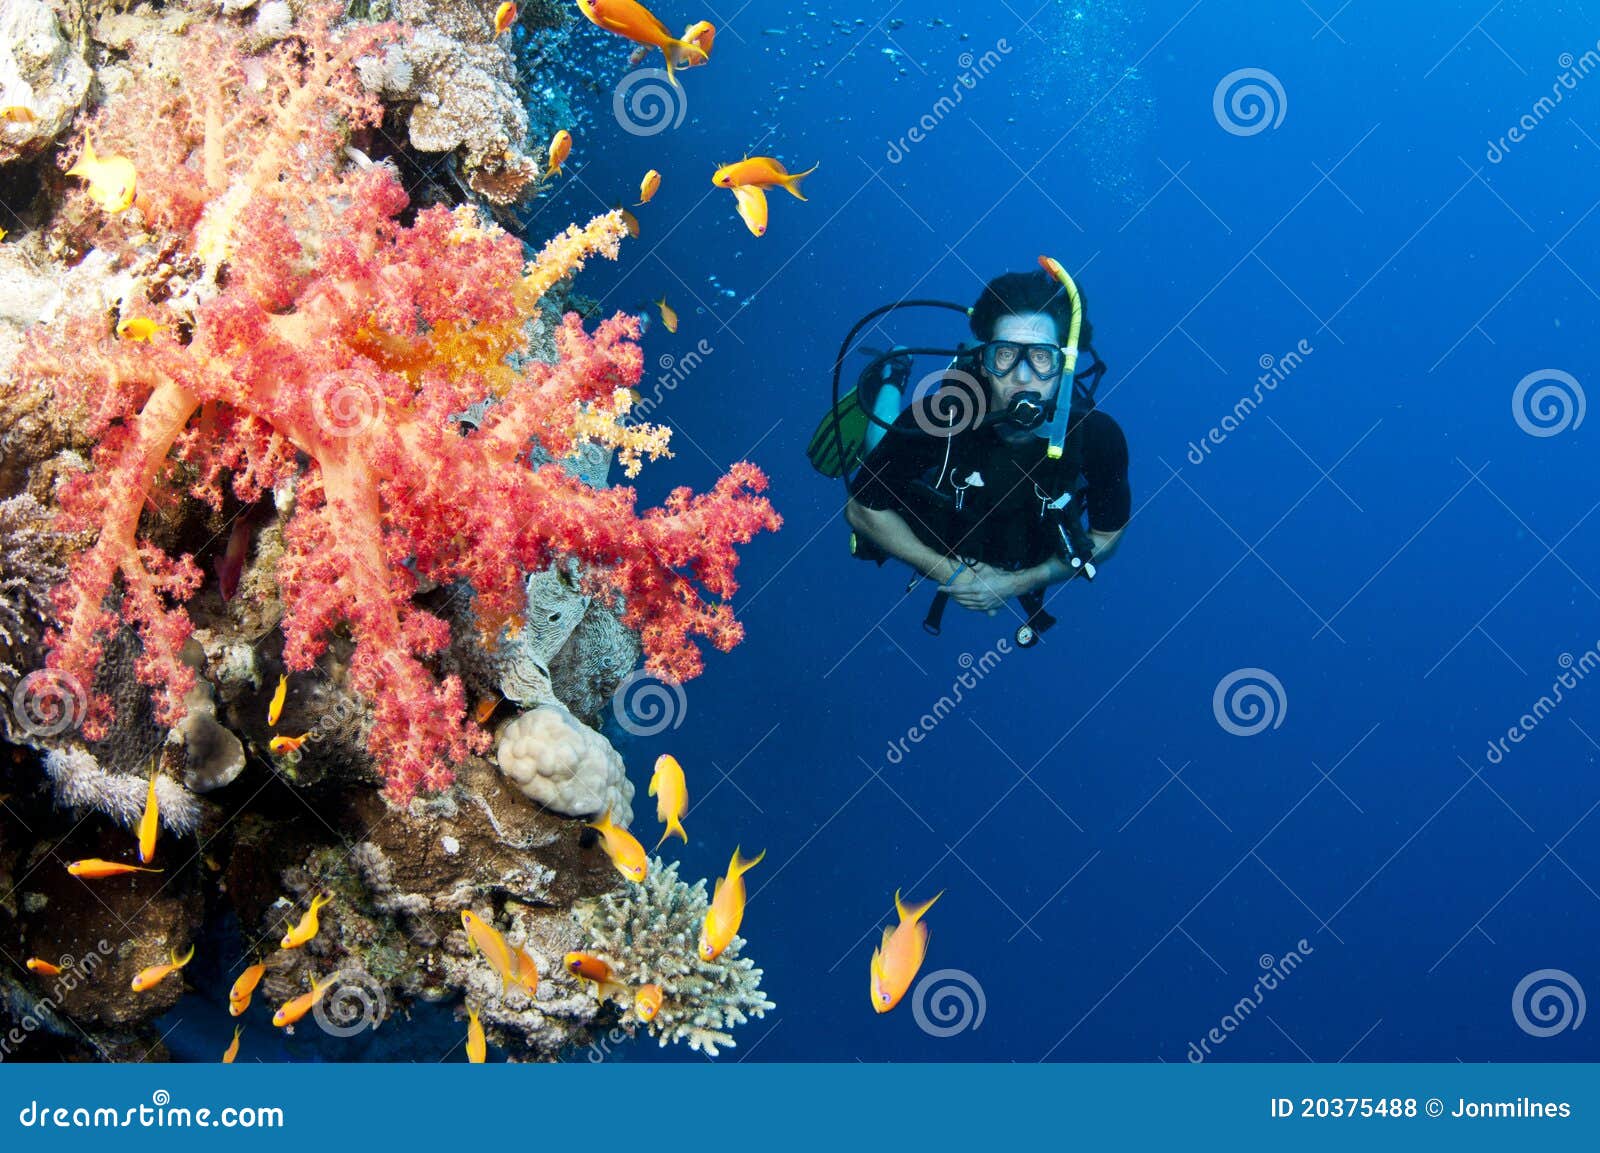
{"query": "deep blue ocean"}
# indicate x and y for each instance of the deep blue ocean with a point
(1400, 532)
(1310, 772)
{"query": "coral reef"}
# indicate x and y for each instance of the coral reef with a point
(303, 319)
(649, 934)
(41, 71)
(562, 764)
(31, 565)
(80, 783)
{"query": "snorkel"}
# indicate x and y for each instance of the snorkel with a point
(1056, 431)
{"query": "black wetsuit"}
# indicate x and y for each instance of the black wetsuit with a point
(1002, 521)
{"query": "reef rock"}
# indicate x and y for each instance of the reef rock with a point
(40, 71)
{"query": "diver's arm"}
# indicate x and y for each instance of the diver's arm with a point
(1056, 570)
(889, 531)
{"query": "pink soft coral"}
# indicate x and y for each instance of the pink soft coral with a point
(330, 345)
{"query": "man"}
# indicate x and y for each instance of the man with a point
(961, 487)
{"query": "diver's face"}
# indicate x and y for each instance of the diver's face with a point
(1021, 328)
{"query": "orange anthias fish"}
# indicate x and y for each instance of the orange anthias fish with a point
(591, 968)
(139, 329)
(649, 186)
(94, 868)
(486, 939)
(668, 316)
(477, 1044)
(149, 822)
(624, 849)
(18, 114)
(647, 1002)
(504, 17)
(527, 971)
(287, 744)
(485, 709)
(152, 976)
(112, 179)
(309, 924)
(898, 957)
(635, 22)
(36, 965)
(702, 35)
(671, 791)
(560, 149)
(244, 988)
(275, 705)
(292, 1010)
(727, 907)
(629, 221)
(233, 1049)
(761, 172)
(752, 204)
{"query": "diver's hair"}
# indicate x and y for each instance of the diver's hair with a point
(1016, 293)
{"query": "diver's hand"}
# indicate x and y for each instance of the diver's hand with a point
(982, 588)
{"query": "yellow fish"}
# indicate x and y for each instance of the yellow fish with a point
(896, 960)
(244, 988)
(112, 179)
(752, 204)
(149, 978)
(702, 35)
(94, 868)
(761, 172)
(649, 186)
(36, 965)
(477, 1044)
(486, 939)
(647, 1002)
(527, 971)
(727, 907)
(624, 849)
(233, 1049)
(149, 822)
(309, 924)
(287, 744)
(275, 705)
(2, 233)
(504, 17)
(668, 316)
(560, 149)
(591, 968)
(636, 22)
(293, 1009)
(630, 222)
(17, 114)
(671, 792)
(139, 329)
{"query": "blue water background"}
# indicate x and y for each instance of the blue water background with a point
(1380, 534)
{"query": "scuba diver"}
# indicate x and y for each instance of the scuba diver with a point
(1000, 478)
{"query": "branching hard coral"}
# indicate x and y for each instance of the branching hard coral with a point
(80, 783)
(323, 339)
(650, 934)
